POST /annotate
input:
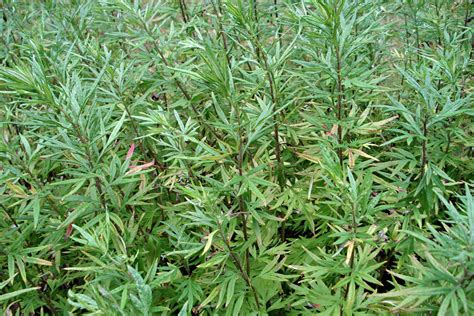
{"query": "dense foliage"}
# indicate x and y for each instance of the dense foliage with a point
(239, 157)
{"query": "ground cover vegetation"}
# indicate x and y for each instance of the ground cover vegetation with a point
(236, 157)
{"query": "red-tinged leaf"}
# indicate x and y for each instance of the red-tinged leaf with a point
(333, 130)
(130, 151)
(134, 169)
(68, 231)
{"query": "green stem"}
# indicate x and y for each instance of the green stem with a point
(238, 264)
(424, 157)
(340, 92)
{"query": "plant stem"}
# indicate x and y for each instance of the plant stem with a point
(85, 142)
(218, 13)
(340, 92)
(417, 34)
(49, 303)
(37, 182)
(182, 7)
(161, 167)
(240, 159)
(238, 265)
(354, 232)
(424, 157)
(255, 16)
(178, 83)
(407, 57)
(263, 60)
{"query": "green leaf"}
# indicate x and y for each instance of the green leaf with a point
(114, 133)
(13, 294)
(36, 212)
(230, 291)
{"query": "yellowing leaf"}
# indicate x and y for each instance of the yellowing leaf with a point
(350, 249)
(16, 189)
(374, 126)
(308, 157)
(351, 159)
(38, 261)
(209, 242)
(363, 154)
